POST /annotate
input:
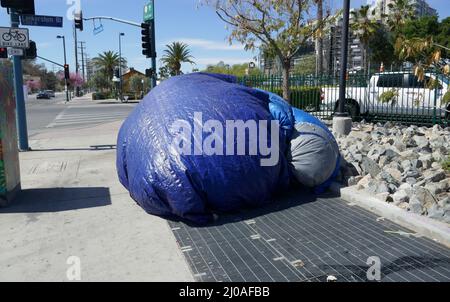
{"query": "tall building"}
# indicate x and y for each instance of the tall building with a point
(332, 48)
(421, 8)
(273, 65)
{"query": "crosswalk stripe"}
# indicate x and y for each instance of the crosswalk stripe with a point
(91, 115)
(77, 118)
(64, 119)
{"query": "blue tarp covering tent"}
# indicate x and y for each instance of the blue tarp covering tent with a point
(161, 155)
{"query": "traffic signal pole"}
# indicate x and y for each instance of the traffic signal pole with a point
(65, 63)
(77, 91)
(154, 54)
(153, 79)
(18, 92)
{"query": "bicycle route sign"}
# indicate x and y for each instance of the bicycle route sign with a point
(14, 37)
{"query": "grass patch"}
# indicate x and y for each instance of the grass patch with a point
(446, 164)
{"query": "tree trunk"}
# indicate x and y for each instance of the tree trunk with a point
(365, 60)
(320, 38)
(286, 84)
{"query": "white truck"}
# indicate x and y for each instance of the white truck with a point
(396, 93)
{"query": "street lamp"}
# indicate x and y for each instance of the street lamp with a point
(65, 63)
(342, 123)
(120, 65)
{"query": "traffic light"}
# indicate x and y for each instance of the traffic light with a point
(79, 21)
(31, 52)
(117, 72)
(3, 53)
(149, 72)
(148, 45)
(23, 7)
(66, 72)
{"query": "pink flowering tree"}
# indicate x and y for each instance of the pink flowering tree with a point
(33, 85)
(76, 80)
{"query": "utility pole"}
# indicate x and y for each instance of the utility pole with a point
(77, 89)
(155, 74)
(83, 48)
(65, 63)
(87, 59)
(19, 94)
(342, 123)
(120, 65)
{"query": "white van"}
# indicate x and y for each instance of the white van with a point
(396, 93)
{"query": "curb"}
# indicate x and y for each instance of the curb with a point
(435, 230)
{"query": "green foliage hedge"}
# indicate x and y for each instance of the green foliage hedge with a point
(102, 96)
(305, 98)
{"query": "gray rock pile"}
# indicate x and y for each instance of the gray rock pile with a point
(402, 165)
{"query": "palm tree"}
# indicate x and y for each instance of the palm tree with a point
(399, 12)
(365, 28)
(176, 54)
(319, 40)
(108, 61)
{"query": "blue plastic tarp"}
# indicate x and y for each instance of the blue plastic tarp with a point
(166, 183)
(181, 181)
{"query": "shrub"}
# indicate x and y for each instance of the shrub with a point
(389, 96)
(446, 98)
(98, 96)
(303, 97)
(446, 165)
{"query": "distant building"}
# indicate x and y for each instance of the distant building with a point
(421, 8)
(273, 65)
(126, 79)
(332, 41)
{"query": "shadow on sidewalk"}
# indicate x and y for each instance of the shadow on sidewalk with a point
(284, 201)
(58, 200)
(118, 102)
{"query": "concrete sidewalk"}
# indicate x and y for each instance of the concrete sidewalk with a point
(72, 204)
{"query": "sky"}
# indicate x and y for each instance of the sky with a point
(176, 20)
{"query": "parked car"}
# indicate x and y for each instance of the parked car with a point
(51, 93)
(396, 93)
(43, 95)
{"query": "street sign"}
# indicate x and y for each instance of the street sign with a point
(15, 52)
(35, 20)
(14, 37)
(149, 11)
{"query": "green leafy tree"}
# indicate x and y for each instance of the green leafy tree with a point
(382, 49)
(306, 66)
(137, 87)
(443, 38)
(281, 26)
(174, 55)
(100, 81)
(429, 26)
(238, 70)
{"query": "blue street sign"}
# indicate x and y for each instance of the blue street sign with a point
(35, 20)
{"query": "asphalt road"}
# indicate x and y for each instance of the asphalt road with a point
(44, 115)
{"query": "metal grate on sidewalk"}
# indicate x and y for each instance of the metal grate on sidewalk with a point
(303, 238)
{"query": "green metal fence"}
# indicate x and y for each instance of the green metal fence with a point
(389, 96)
